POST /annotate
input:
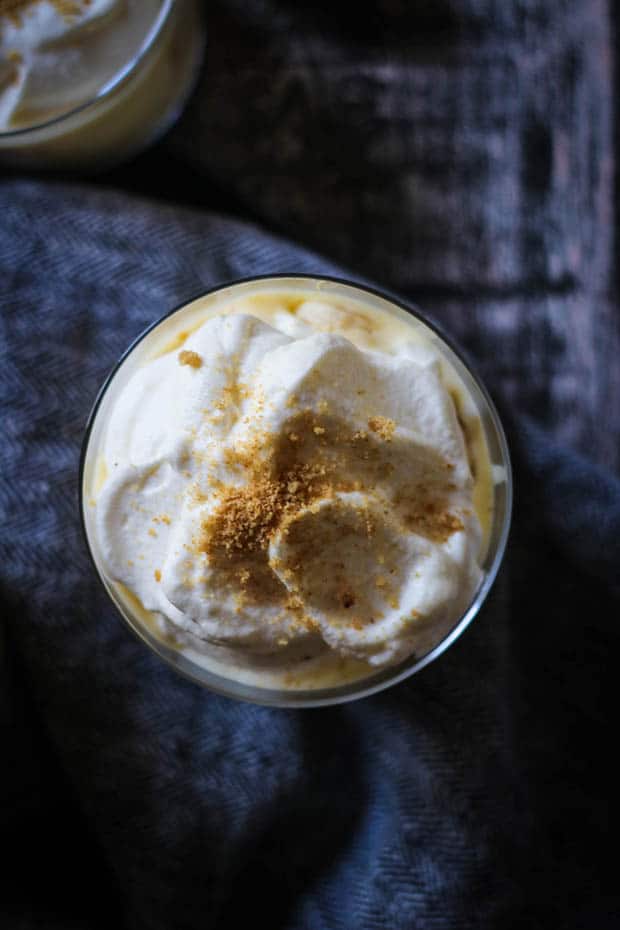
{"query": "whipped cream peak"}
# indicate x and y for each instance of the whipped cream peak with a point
(272, 493)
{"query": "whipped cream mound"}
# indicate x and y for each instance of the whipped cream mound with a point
(291, 496)
(56, 54)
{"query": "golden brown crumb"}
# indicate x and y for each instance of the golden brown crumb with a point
(190, 358)
(276, 476)
(245, 517)
(248, 515)
(236, 535)
(429, 518)
(294, 602)
(383, 426)
(157, 574)
(232, 395)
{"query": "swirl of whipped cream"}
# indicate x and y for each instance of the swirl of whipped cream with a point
(269, 493)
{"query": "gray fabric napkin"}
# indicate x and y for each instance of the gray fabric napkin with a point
(474, 795)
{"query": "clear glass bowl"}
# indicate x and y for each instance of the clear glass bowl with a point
(493, 433)
(130, 110)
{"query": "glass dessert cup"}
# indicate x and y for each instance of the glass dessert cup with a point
(128, 111)
(482, 429)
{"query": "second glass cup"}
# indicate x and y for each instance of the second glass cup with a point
(85, 86)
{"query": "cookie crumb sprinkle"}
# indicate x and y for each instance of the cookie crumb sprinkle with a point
(190, 358)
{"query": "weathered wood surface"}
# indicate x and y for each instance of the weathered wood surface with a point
(460, 151)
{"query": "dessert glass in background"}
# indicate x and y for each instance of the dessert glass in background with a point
(86, 84)
(283, 670)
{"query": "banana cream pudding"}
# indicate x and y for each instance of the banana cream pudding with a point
(290, 487)
(90, 80)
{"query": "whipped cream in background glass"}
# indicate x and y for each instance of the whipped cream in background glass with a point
(87, 82)
(291, 490)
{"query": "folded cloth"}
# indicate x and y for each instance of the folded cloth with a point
(475, 795)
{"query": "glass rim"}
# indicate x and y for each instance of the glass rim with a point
(357, 688)
(108, 87)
